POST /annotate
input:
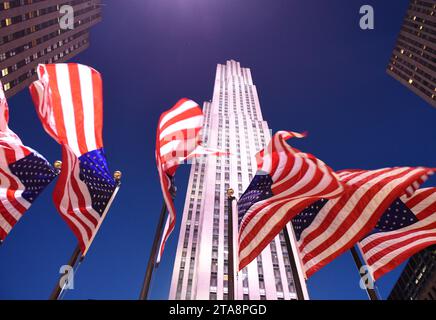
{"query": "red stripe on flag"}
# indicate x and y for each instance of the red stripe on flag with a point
(57, 105)
(10, 192)
(399, 259)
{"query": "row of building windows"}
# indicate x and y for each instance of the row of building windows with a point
(420, 56)
(23, 77)
(41, 53)
(420, 33)
(199, 168)
(423, 7)
(414, 68)
(242, 90)
(16, 3)
(412, 79)
(45, 25)
(27, 16)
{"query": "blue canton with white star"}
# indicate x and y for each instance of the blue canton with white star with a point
(396, 217)
(95, 174)
(35, 173)
(305, 218)
(258, 190)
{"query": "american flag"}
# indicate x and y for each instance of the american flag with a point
(328, 228)
(24, 173)
(69, 101)
(288, 180)
(407, 227)
(178, 140)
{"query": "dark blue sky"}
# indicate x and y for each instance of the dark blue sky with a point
(315, 70)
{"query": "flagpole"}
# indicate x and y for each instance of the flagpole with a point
(295, 274)
(359, 264)
(153, 254)
(74, 260)
(77, 256)
(231, 267)
(151, 265)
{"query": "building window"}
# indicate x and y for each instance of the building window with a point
(213, 279)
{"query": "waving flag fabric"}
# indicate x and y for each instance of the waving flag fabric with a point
(178, 139)
(407, 227)
(69, 102)
(24, 173)
(327, 228)
(288, 180)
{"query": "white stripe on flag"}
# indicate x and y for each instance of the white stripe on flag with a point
(5, 225)
(190, 123)
(87, 90)
(170, 115)
(167, 226)
(64, 85)
(391, 256)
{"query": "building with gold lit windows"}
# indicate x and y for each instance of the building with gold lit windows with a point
(31, 33)
(413, 61)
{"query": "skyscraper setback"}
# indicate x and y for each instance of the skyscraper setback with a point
(413, 61)
(233, 123)
(30, 33)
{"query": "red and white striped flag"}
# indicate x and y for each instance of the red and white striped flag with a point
(328, 228)
(407, 227)
(288, 180)
(24, 173)
(178, 140)
(69, 101)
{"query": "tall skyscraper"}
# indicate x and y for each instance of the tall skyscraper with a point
(418, 279)
(413, 60)
(234, 123)
(31, 33)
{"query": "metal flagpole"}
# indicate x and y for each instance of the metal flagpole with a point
(77, 256)
(295, 275)
(359, 264)
(154, 249)
(74, 260)
(231, 268)
(153, 254)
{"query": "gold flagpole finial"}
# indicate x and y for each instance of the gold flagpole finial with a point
(230, 192)
(58, 164)
(118, 175)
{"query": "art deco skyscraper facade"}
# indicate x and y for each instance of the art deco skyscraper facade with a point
(30, 33)
(413, 60)
(234, 123)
